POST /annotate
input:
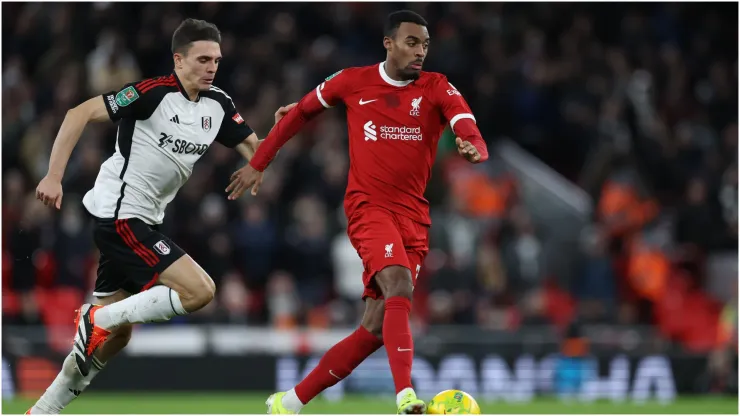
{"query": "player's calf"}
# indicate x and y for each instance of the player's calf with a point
(117, 341)
(396, 284)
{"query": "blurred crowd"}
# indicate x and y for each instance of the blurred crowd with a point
(636, 103)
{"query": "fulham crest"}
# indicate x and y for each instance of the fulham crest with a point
(162, 248)
(206, 123)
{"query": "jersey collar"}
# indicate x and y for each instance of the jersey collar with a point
(182, 89)
(390, 80)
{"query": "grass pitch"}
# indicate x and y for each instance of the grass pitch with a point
(250, 403)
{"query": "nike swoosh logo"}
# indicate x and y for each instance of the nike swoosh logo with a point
(335, 376)
(403, 349)
(367, 102)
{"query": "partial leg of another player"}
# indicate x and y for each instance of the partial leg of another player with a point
(396, 284)
(336, 364)
(185, 288)
(69, 383)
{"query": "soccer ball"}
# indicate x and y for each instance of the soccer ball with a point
(453, 402)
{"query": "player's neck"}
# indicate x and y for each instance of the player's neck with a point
(192, 91)
(392, 71)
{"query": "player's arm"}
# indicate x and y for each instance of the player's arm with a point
(108, 107)
(92, 110)
(470, 143)
(326, 95)
(247, 147)
(291, 123)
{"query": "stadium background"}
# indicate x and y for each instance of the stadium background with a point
(604, 230)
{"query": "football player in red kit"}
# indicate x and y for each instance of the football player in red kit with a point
(396, 114)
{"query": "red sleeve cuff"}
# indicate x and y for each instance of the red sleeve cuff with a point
(467, 130)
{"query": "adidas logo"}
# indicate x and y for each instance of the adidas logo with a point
(175, 119)
(75, 392)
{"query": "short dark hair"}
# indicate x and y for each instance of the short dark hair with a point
(193, 30)
(395, 19)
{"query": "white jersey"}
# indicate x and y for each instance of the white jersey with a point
(160, 137)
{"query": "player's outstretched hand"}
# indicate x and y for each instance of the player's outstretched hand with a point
(50, 192)
(467, 150)
(282, 111)
(243, 179)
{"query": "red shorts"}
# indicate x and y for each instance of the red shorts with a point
(383, 238)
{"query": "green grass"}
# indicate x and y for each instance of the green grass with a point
(200, 403)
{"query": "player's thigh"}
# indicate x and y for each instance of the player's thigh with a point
(375, 235)
(372, 319)
(188, 279)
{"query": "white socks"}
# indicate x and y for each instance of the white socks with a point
(159, 303)
(65, 388)
(292, 402)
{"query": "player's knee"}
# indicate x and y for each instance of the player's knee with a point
(395, 281)
(201, 294)
(377, 331)
(192, 284)
(195, 292)
(372, 319)
(211, 286)
(373, 324)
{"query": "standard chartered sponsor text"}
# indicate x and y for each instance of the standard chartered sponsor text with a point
(401, 133)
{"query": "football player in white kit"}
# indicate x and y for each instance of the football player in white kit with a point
(166, 125)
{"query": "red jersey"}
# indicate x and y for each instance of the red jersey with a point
(394, 127)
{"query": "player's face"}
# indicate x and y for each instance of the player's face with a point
(408, 49)
(200, 63)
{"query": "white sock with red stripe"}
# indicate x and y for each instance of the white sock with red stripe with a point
(159, 303)
(65, 388)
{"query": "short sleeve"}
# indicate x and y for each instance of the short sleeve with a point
(334, 88)
(133, 101)
(452, 104)
(233, 127)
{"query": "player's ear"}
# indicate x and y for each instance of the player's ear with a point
(387, 43)
(178, 58)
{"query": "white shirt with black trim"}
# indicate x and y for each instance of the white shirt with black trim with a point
(160, 137)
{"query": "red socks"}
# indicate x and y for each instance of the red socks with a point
(398, 341)
(338, 362)
(344, 357)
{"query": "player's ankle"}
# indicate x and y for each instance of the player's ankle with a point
(292, 402)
